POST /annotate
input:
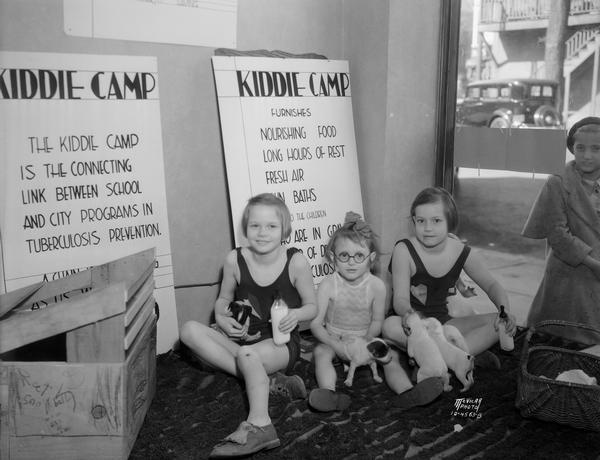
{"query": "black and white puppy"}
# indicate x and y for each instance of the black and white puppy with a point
(240, 312)
(362, 352)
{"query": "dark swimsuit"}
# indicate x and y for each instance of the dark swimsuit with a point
(438, 289)
(261, 298)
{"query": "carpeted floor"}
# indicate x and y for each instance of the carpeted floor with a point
(194, 409)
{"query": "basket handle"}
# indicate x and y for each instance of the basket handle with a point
(556, 322)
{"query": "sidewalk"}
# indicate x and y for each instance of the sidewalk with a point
(520, 275)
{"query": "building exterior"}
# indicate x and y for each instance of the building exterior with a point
(508, 41)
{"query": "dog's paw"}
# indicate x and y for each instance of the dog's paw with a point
(377, 379)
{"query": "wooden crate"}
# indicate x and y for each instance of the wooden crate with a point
(92, 404)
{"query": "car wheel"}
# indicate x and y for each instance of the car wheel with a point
(546, 115)
(499, 122)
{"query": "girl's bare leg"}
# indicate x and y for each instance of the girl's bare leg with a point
(324, 370)
(255, 362)
(392, 330)
(478, 331)
(395, 375)
(211, 346)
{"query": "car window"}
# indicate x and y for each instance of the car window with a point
(505, 92)
(541, 91)
(490, 93)
(474, 92)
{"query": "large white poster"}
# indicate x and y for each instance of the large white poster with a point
(288, 129)
(82, 170)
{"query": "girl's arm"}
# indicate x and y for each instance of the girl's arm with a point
(477, 271)
(548, 219)
(302, 280)
(223, 316)
(401, 280)
(379, 295)
(317, 325)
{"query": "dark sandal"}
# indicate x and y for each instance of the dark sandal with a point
(325, 400)
(422, 393)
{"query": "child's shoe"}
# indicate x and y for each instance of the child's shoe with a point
(325, 400)
(291, 386)
(422, 393)
(246, 440)
(487, 360)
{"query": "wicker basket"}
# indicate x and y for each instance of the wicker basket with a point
(544, 397)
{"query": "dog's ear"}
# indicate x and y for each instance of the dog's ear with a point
(239, 311)
(378, 348)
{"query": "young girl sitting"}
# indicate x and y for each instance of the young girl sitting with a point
(427, 265)
(254, 275)
(351, 301)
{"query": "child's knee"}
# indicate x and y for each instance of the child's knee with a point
(247, 354)
(323, 352)
(188, 332)
(249, 360)
(392, 326)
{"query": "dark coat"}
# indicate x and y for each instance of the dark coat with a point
(569, 291)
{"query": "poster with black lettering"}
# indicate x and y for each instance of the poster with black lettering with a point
(288, 129)
(82, 174)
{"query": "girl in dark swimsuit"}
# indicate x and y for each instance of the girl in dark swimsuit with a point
(253, 275)
(427, 266)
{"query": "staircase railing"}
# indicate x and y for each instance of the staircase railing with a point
(495, 11)
(579, 40)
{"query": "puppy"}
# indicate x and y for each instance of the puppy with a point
(458, 360)
(241, 310)
(361, 352)
(422, 348)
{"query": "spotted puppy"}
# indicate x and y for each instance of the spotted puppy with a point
(363, 352)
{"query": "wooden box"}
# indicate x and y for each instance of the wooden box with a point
(92, 404)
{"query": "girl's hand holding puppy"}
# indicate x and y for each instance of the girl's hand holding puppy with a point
(231, 327)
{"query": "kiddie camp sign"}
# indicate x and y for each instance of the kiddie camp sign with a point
(82, 170)
(288, 129)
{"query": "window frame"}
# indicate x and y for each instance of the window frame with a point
(446, 92)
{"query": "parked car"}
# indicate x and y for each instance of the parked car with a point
(514, 102)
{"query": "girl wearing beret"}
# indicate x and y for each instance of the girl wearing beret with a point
(567, 214)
